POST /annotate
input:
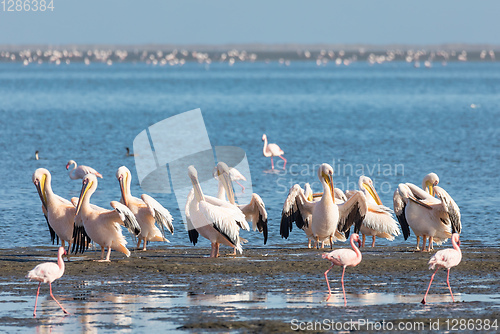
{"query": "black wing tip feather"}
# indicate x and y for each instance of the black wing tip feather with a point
(81, 240)
(262, 227)
(193, 236)
(405, 228)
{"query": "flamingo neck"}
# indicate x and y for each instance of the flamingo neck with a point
(355, 248)
(72, 172)
(264, 150)
(455, 245)
(60, 262)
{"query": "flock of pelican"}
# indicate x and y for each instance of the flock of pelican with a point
(325, 217)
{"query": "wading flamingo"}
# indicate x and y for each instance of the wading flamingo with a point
(272, 150)
(446, 258)
(47, 273)
(78, 172)
(344, 258)
(328, 220)
(146, 210)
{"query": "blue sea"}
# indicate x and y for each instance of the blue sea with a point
(391, 121)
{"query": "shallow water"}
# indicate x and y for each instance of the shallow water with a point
(391, 121)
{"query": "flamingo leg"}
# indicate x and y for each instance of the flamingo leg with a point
(284, 166)
(364, 237)
(327, 283)
(50, 285)
(36, 299)
(373, 241)
(449, 287)
(418, 242)
(272, 163)
(432, 277)
(242, 187)
(343, 290)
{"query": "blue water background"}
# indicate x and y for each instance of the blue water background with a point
(392, 122)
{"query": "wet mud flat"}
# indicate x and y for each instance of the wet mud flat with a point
(264, 290)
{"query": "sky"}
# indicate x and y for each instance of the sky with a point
(256, 21)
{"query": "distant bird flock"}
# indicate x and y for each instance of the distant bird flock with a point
(325, 217)
(179, 57)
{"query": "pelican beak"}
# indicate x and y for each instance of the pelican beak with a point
(122, 189)
(430, 188)
(373, 193)
(85, 187)
(329, 181)
(40, 187)
(228, 186)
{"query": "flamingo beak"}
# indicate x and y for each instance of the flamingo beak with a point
(371, 190)
(67, 166)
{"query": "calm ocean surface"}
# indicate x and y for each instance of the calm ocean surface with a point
(392, 122)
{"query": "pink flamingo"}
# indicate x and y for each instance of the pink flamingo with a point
(272, 150)
(446, 258)
(344, 258)
(79, 172)
(47, 273)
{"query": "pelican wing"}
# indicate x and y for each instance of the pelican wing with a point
(53, 235)
(295, 209)
(223, 220)
(192, 232)
(351, 212)
(451, 211)
(233, 209)
(256, 212)
(125, 216)
(339, 195)
(162, 215)
(399, 210)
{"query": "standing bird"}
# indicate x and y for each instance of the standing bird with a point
(78, 172)
(344, 258)
(446, 258)
(328, 220)
(235, 176)
(59, 212)
(425, 214)
(272, 150)
(255, 211)
(47, 273)
(215, 219)
(101, 225)
(378, 221)
(146, 210)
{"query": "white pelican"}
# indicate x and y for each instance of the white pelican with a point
(378, 221)
(59, 212)
(327, 219)
(272, 150)
(78, 172)
(437, 217)
(255, 211)
(215, 219)
(101, 225)
(146, 210)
